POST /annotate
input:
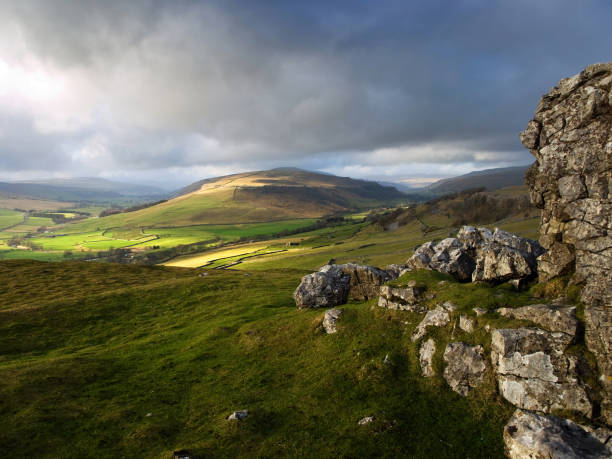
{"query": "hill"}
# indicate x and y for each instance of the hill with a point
(88, 189)
(262, 196)
(490, 179)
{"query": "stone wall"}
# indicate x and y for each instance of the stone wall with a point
(571, 181)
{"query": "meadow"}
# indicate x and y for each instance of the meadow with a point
(128, 361)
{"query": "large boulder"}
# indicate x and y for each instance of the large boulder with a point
(365, 280)
(465, 367)
(332, 285)
(571, 181)
(534, 373)
(325, 288)
(535, 436)
(477, 254)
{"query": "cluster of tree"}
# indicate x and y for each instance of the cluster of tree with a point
(59, 218)
(472, 206)
(488, 208)
(23, 241)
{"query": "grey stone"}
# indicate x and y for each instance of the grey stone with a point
(329, 321)
(426, 353)
(365, 281)
(326, 288)
(477, 254)
(437, 317)
(598, 334)
(531, 435)
(533, 372)
(238, 415)
(466, 324)
(552, 317)
(465, 367)
(571, 180)
(366, 420)
(401, 298)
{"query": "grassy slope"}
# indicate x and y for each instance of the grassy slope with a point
(87, 350)
(83, 365)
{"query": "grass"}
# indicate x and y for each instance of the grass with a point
(128, 361)
(10, 218)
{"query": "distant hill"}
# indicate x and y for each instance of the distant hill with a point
(81, 189)
(262, 196)
(491, 179)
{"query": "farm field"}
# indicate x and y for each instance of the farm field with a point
(62, 239)
(9, 218)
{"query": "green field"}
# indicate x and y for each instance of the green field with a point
(103, 360)
(9, 218)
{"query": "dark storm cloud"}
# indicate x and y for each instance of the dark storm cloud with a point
(367, 85)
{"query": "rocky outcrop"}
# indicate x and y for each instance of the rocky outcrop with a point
(571, 181)
(402, 298)
(332, 285)
(326, 288)
(365, 280)
(552, 317)
(329, 321)
(531, 435)
(598, 334)
(437, 317)
(534, 373)
(465, 367)
(426, 353)
(477, 254)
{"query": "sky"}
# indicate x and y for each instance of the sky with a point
(169, 92)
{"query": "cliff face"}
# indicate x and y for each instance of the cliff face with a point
(571, 181)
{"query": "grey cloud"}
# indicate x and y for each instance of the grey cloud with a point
(187, 84)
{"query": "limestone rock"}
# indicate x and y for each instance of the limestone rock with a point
(531, 435)
(396, 270)
(437, 317)
(365, 281)
(365, 420)
(571, 181)
(450, 306)
(533, 372)
(465, 367)
(598, 334)
(402, 298)
(326, 288)
(466, 324)
(480, 311)
(553, 318)
(333, 284)
(477, 254)
(426, 353)
(238, 415)
(329, 321)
